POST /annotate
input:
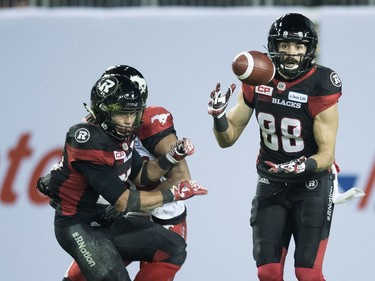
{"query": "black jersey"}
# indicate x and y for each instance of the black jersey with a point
(75, 195)
(285, 111)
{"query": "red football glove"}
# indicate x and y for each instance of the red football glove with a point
(295, 166)
(186, 189)
(179, 150)
(218, 102)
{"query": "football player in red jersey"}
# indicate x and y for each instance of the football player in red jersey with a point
(98, 158)
(298, 123)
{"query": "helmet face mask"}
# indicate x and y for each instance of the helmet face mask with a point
(300, 30)
(127, 130)
(114, 95)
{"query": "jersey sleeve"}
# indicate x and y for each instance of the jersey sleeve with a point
(248, 94)
(157, 123)
(100, 178)
(136, 164)
(87, 142)
(328, 93)
(155, 119)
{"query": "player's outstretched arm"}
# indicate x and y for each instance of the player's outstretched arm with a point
(179, 171)
(134, 200)
(228, 128)
(153, 170)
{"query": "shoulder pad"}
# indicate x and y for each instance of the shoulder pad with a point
(155, 119)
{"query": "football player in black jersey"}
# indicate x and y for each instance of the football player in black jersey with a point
(154, 138)
(297, 113)
(98, 158)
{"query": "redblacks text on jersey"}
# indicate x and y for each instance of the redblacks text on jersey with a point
(285, 112)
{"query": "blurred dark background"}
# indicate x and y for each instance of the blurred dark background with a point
(187, 3)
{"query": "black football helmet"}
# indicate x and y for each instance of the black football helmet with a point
(294, 28)
(133, 74)
(113, 94)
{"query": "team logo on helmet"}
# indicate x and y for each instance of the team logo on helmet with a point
(82, 135)
(107, 86)
(140, 81)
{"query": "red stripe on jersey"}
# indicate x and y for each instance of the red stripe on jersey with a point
(155, 119)
(248, 92)
(94, 156)
(318, 104)
(70, 197)
(72, 190)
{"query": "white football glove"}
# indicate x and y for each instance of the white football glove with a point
(295, 166)
(179, 150)
(218, 101)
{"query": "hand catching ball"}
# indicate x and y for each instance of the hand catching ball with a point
(253, 68)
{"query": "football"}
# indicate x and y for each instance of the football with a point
(253, 68)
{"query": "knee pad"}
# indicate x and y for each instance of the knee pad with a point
(309, 274)
(266, 252)
(177, 259)
(305, 255)
(271, 272)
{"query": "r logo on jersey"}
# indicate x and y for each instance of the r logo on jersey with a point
(82, 135)
(335, 79)
(162, 118)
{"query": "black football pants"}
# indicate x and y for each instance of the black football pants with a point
(280, 210)
(101, 250)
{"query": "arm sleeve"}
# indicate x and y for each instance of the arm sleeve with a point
(137, 163)
(103, 179)
(150, 142)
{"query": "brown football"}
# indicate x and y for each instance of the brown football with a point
(253, 68)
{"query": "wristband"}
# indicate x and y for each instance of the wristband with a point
(221, 123)
(145, 181)
(168, 196)
(310, 165)
(134, 201)
(164, 162)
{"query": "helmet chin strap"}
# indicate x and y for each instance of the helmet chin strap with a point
(289, 73)
(89, 109)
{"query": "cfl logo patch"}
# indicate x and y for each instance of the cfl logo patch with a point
(82, 135)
